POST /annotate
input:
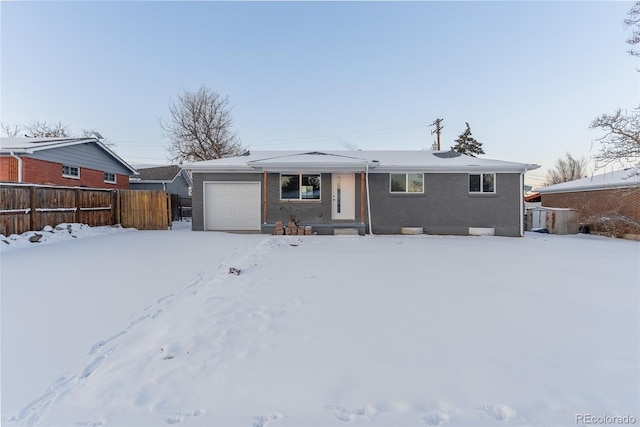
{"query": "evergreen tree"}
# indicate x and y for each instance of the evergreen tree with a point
(466, 144)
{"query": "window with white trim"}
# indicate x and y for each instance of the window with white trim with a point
(300, 187)
(70, 171)
(110, 177)
(406, 183)
(482, 183)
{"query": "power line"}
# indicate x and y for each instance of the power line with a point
(358, 134)
(295, 140)
(436, 123)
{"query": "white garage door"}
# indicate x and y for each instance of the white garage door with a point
(232, 206)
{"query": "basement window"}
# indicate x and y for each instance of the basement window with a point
(70, 171)
(482, 183)
(300, 187)
(406, 183)
(110, 177)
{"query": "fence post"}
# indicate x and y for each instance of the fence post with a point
(116, 206)
(169, 213)
(78, 205)
(33, 201)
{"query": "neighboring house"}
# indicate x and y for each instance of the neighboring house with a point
(171, 179)
(75, 162)
(611, 196)
(384, 191)
(532, 198)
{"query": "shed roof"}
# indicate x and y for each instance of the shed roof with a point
(159, 173)
(163, 174)
(625, 178)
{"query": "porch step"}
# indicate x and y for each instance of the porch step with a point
(411, 230)
(345, 231)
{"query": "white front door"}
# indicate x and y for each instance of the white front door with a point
(343, 196)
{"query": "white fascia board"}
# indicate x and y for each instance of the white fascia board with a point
(149, 181)
(16, 150)
(226, 169)
(186, 175)
(39, 146)
(284, 167)
(456, 169)
(326, 168)
(114, 155)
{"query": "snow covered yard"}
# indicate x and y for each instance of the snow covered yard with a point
(149, 328)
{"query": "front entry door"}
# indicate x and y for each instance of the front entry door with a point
(343, 196)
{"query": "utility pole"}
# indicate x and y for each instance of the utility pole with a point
(436, 123)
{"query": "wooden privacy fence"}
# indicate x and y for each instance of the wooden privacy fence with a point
(180, 207)
(32, 207)
(148, 209)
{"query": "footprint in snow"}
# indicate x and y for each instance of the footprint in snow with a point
(436, 418)
(439, 414)
(178, 417)
(89, 423)
(350, 413)
(32, 413)
(266, 420)
(500, 412)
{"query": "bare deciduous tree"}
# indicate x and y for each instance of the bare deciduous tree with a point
(92, 133)
(200, 127)
(567, 169)
(11, 131)
(38, 129)
(622, 130)
(622, 135)
(633, 21)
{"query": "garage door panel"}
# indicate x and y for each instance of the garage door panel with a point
(232, 206)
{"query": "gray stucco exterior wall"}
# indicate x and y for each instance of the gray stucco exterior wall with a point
(446, 206)
(308, 212)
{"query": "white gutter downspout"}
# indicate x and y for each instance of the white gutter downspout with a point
(368, 198)
(19, 159)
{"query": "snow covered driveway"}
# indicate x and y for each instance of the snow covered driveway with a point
(149, 328)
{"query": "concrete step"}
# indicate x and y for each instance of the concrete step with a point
(345, 231)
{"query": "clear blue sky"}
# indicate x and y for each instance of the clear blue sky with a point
(527, 76)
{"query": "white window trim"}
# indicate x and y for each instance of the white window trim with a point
(481, 191)
(300, 199)
(71, 176)
(406, 183)
(115, 178)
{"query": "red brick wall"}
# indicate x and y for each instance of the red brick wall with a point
(594, 204)
(36, 171)
(8, 169)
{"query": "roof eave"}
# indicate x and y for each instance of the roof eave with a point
(458, 168)
(589, 188)
(115, 156)
(150, 181)
(219, 169)
(313, 167)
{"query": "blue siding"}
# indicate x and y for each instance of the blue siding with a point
(84, 155)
